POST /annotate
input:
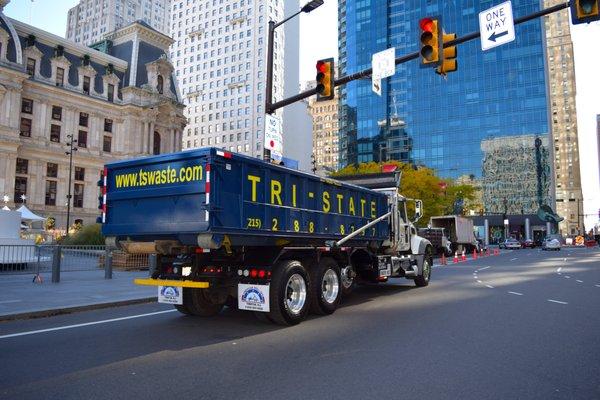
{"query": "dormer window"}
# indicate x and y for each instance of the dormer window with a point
(31, 66)
(60, 76)
(160, 85)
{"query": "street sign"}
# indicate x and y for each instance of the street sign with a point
(496, 26)
(274, 136)
(384, 65)
(376, 86)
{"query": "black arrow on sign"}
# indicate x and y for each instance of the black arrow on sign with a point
(496, 36)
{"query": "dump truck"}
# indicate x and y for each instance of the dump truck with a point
(227, 229)
(459, 230)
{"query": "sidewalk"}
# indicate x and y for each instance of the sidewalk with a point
(20, 298)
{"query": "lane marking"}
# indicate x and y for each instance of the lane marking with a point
(105, 321)
(579, 281)
(516, 293)
(556, 301)
(597, 285)
(489, 286)
(559, 269)
(478, 281)
(10, 301)
(512, 259)
(567, 277)
(481, 269)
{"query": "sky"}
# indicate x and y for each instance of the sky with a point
(319, 40)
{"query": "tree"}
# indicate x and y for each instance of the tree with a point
(439, 195)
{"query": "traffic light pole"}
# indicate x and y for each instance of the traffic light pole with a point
(400, 60)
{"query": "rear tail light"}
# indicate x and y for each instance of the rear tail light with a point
(254, 273)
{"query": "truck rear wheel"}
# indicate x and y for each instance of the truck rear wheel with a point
(289, 293)
(200, 303)
(326, 287)
(347, 280)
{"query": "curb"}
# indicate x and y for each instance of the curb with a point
(69, 310)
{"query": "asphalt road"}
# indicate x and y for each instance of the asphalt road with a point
(523, 325)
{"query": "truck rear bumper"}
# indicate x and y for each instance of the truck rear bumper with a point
(165, 282)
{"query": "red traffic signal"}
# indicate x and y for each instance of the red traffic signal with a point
(430, 41)
(325, 79)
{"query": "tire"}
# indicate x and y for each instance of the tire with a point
(199, 303)
(325, 287)
(182, 308)
(423, 279)
(347, 280)
(289, 294)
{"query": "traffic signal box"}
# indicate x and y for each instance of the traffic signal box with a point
(325, 79)
(430, 41)
(585, 11)
(448, 63)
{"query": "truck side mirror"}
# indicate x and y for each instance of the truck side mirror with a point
(418, 210)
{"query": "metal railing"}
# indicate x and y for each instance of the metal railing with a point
(36, 259)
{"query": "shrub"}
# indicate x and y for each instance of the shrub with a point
(87, 235)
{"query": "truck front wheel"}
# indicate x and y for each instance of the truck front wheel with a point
(289, 293)
(423, 278)
(326, 287)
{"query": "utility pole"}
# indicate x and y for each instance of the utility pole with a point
(71, 143)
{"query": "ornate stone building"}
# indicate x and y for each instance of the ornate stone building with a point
(117, 104)
(324, 116)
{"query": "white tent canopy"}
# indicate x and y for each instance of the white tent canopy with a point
(27, 215)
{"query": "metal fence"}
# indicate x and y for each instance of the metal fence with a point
(36, 259)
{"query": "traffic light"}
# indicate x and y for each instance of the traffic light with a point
(325, 79)
(430, 40)
(448, 63)
(585, 11)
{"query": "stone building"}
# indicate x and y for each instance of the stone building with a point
(325, 133)
(117, 104)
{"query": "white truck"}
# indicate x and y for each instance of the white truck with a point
(459, 230)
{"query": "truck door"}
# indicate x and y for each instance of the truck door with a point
(403, 227)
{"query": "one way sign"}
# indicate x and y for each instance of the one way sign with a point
(496, 26)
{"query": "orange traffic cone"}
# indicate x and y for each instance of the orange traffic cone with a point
(475, 254)
(455, 257)
(464, 256)
(488, 252)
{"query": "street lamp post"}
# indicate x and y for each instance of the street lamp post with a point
(72, 149)
(308, 7)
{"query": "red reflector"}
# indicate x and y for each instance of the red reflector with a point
(105, 172)
(268, 274)
(261, 273)
(104, 208)
(207, 187)
(207, 167)
(199, 250)
(426, 24)
(253, 273)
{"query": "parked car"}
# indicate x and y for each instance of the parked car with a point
(510, 243)
(551, 243)
(528, 244)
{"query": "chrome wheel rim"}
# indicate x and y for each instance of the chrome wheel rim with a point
(426, 270)
(330, 286)
(295, 294)
(347, 279)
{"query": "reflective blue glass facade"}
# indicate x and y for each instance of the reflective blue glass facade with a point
(425, 119)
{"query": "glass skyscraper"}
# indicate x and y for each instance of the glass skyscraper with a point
(462, 126)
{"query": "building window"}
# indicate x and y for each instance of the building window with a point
(31, 66)
(83, 119)
(27, 106)
(86, 84)
(82, 139)
(52, 170)
(107, 144)
(60, 76)
(55, 133)
(78, 195)
(79, 174)
(20, 189)
(111, 93)
(160, 85)
(22, 166)
(25, 129)
(156, 146)
(50, 193)
(57, 113)
(108, 125)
